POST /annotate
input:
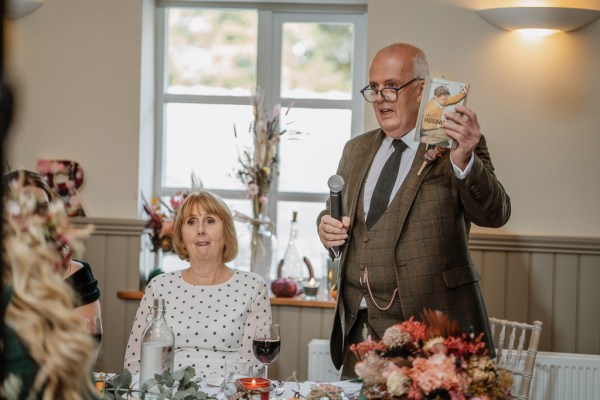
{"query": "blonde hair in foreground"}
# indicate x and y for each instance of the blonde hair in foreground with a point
(41, 311)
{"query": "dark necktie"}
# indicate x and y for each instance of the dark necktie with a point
(385, 184)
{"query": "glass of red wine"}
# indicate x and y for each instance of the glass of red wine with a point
(266, 344)
(93, 326)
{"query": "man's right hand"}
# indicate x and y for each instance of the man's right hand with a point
(333, 232)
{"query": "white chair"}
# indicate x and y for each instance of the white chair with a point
(510, 338)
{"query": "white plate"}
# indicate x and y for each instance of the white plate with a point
(214, 381)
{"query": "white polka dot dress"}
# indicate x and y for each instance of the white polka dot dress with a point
(211, 324)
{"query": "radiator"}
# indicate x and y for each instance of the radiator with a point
(566, 376)
(320, 366)
(557, 376)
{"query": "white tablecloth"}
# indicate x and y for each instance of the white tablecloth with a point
(350, 388)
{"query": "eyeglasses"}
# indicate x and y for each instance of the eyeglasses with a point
(388, 93)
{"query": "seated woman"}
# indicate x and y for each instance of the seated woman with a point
(78, 274)
(45, 351)
(212, 309)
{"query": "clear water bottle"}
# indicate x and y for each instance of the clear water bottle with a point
(157, 345)
(293, 263)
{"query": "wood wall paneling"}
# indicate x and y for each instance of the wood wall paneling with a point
(541, 302)
(564, 317)
(588, 306)
(516, 293)
(554, 280)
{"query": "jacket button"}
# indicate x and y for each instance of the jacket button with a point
(365, 240)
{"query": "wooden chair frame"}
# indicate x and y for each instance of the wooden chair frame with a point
(510, 345)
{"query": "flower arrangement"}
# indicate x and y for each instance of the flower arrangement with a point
(258, 164)
(428, 360)
(162, 219)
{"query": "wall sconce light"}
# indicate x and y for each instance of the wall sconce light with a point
(20, 8)
(548, 20)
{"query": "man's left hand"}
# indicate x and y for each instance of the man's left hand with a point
(463, 127)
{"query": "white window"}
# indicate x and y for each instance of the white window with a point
(211, 58)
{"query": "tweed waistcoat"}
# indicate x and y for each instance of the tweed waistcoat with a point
(373, 251)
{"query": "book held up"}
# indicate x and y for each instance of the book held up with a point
(439, 96)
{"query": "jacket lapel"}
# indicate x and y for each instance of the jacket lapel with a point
(363, 158)
(360, 168)
(408, 191)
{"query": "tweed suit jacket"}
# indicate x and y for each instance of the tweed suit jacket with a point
(433, 266)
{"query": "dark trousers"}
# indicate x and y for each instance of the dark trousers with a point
(355, 335)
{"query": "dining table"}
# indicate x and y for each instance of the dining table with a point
(280, 390)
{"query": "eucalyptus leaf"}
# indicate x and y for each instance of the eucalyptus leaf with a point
(161, 386)
(179, 375)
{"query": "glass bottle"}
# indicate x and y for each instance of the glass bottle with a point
(293, 263)
(157, 345)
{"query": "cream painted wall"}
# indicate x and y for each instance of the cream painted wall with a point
(538, 104)
(76, 65)
(75, 68)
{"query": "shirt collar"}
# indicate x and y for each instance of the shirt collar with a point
(408, 139)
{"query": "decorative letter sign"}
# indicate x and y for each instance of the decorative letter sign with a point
(64, 177)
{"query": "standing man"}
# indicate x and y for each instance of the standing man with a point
(404, 236)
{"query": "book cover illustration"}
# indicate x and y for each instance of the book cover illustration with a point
(439, 96)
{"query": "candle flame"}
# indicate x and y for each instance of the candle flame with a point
(311, 282)
(253, 381)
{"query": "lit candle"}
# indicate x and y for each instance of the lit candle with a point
(257, 383)
(311, 288)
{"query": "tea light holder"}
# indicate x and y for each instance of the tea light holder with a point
(311, 288)
(258, 388)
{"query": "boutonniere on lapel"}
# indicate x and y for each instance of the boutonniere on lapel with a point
(431, 155)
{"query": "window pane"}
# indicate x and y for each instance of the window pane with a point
(211, 52)
(200, 138)
(316, 60)
(312, 157)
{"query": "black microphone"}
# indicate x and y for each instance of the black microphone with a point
(336, 184)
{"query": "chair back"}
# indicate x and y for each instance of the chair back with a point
(510, 339)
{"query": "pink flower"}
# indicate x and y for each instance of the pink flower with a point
(44, 166)
(176, 203)
(252, 190)
(438, 372)
(263, 200)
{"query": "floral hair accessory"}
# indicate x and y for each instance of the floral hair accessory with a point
(431, 155)
(33, 228)
(432, 359)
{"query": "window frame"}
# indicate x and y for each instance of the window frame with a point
(271, 17)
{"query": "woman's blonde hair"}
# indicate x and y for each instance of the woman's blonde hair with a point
(211, 204)
(41, 311)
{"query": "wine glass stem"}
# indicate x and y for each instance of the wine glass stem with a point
(266, 370)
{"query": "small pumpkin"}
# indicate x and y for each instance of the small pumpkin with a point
(333, 292)
(284, 287)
